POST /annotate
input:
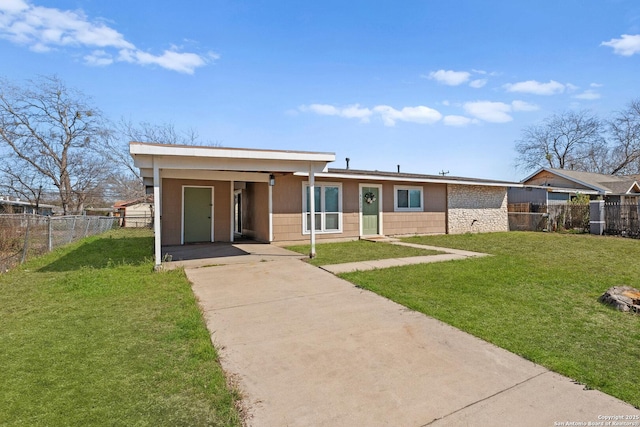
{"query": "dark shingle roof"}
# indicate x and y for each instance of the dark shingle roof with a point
(416, 176)
(614, 184)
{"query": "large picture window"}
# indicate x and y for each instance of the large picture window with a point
(408, 198)
(328, 207)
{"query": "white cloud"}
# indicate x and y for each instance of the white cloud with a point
(449, 77)
(497, 112)
(171, 60)
(478, 83)
(494, 112)
(43, 29)
(419, 114)
(538, 88)
(13, 6)
(98, 58)
(596, 85)
(389, 115)
(627, 45)
(588, 94)
(488, 111)
(355, 112)
(523, 106)
(349, 112)
(322, 109)
(453, 120)
(571, 88)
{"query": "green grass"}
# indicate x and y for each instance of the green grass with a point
(92, 336)
(537, 297)
(358, 250)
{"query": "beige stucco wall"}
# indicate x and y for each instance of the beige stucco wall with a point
(172, 209)
(403, 223)
(477, 209)
(255, 211)
(287, 208)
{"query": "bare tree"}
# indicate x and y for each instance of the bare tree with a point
(569, 140)
(47, 132)
(125, 182)
(624, 129)
(19, 181)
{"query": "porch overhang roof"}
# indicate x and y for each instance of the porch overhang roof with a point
(185, 161)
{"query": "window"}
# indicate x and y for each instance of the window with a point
(328, 206)
(408, 198)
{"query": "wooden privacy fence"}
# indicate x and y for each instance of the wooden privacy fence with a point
(24, 236)
(554, 217)
(622, 219)
(597, 217)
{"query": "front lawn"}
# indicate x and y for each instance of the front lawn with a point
(91, 336)
(358, 250)
(537, 297)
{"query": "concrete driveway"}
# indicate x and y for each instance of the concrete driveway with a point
(310, 349)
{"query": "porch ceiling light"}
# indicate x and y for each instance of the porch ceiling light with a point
(272, 180)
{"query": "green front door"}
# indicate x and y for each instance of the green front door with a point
(370, 210)
(198, 209)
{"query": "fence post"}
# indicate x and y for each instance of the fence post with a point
(49, 234)
(25, 247)
(73, 230)
(596, 217)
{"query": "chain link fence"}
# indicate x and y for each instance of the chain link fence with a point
(25, 236)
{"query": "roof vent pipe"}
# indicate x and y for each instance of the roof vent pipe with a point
(398, 168)
(347, 159)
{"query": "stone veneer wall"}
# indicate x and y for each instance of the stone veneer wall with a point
(477, 209)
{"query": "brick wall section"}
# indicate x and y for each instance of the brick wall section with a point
(477, 209)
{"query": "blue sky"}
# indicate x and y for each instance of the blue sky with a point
(430, 85)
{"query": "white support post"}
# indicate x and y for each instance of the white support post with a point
(270, 214)
(232, 211)
(156, 215)
(312, 209)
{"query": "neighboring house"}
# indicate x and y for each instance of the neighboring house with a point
(135, 213)
(551, 186)
(208, 194)
(17, 206)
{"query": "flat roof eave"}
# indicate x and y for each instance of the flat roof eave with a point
(150, 149)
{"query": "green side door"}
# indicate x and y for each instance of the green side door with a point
(370, 210)
(198, 209)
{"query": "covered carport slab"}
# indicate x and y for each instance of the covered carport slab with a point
(159, 161)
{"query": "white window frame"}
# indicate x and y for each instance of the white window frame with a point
(322, 211)
(397, 208)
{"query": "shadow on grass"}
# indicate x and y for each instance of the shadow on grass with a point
(103, 253)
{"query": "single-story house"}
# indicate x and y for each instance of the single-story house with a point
(553, 186)
(207, 194)
(17, 206)
(135, 213)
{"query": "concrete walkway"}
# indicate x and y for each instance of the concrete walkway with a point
(310, 349)
(449, 255)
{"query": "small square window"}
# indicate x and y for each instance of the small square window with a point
(408, 198)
